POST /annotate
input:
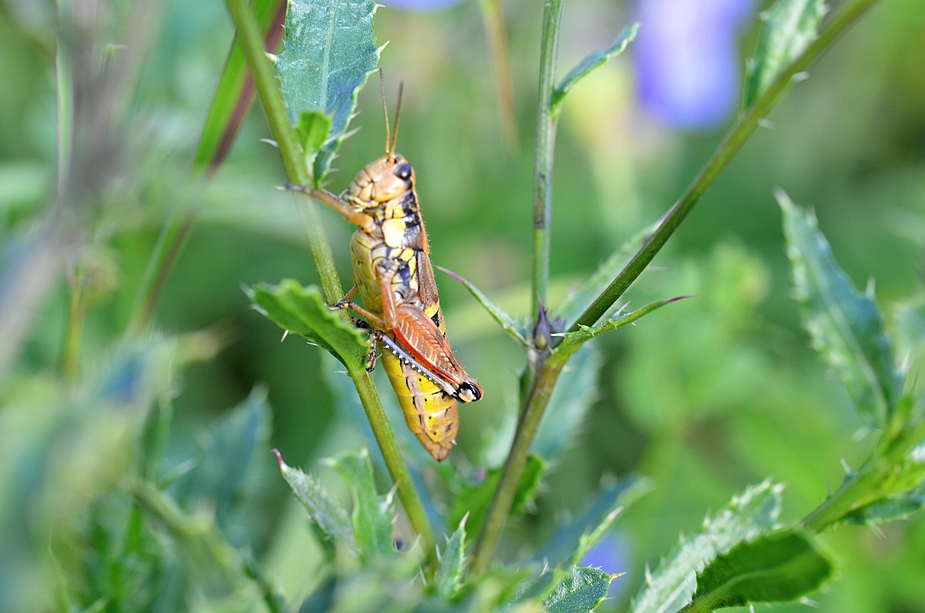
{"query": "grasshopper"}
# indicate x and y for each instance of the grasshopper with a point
(394, 277)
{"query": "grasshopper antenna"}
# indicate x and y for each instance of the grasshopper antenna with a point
(385, 111)
(401, 87)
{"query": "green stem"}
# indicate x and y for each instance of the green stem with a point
(75, 321)
(545, 149)
(727, 149)
(531, 415)
(391, 453)
(233, 98)
(548, 367)
(297, 173)
(167, 249)
(543, 372)
(860, 488)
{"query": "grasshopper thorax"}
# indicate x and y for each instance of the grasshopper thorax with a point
(381, 181)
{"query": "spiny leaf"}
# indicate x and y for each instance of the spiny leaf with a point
(581, 592)
(747, 516)
(448, 578)
(575, 391)
(327, 514)
(312, 130)
(589, 63)
(567, 542)
(330, 52)
(582, 297)
(474, 499)
(845, 325)
(302, 310)
(572, 341)
(789, 27)
(901, 494)
(373, 515)
(230, 468)
(891, 508)
(506, 321)
(777, 567)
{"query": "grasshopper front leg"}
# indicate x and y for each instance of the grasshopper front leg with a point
(353, 216)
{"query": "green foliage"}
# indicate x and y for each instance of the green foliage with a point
(229, 92)
(572, 540)
(448, 578)
(330, 53)
(582, 296)
(472, 499)
(507, 323)
(845, 325)
(372, 514)
(749, 515)
(589, 63)
(333, 520)
(777, 567)
(302, 310)
(789, 27)
(890, 508)
(571, 399)
(582, 592)
(127, 485)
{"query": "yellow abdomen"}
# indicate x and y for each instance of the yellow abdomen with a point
(429, 412)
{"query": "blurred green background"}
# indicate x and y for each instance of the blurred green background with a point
(705, 396)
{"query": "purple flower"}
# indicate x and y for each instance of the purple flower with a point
(686, 59)
(612, 555)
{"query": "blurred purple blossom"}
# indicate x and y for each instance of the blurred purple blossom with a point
(612, 555)
(686, 59)
(419, 5)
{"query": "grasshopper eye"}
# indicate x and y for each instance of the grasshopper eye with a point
(403, 171)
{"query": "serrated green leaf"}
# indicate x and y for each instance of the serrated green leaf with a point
(330, 53)
(373, 516)
(448, 577)
(328, 515)
(778, 567)
(302, 310)
(845, 325)
(475, 499)
(573, 341)
(572, 540)
(507, 322)
(230, 468)
(312, 130)
(789, 27)
(746, 517)
(574, 393)
(891, 508)
(582, 297)
(589, 63)
(581, 592)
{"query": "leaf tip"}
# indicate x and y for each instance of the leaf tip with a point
(279, 458)
(455, 276)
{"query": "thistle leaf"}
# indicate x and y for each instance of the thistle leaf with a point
(330, 53)
(778, 567)
(789, 27)
(845, 325)
(302, 310)
(746, 517)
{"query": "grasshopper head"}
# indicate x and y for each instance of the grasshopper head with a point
(381, 180)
